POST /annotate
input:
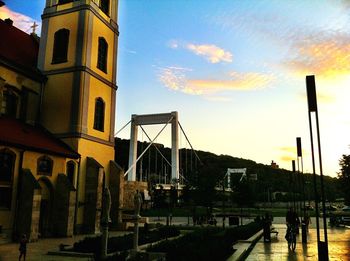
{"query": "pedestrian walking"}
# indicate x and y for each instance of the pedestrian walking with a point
(23, 247)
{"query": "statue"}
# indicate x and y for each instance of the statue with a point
(106, 206)
(106, 197)
(137, 203)
(137, 206)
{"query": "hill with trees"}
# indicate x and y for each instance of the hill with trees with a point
(208, 172)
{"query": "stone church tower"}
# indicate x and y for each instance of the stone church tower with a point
(78, 55)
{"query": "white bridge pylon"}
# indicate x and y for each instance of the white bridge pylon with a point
(152, 119)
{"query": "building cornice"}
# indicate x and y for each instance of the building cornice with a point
(52, 11)
(82, 69)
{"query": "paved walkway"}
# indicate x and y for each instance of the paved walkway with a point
(338, 246)
(37, 251)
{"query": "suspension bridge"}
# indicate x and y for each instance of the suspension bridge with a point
(180, 163)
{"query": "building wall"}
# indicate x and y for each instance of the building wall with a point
(29, 162)
(19, 82)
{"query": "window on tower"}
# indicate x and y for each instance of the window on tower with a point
(104, 5)
(102, 54)
(60, 46)
(99, 114)
(60, 2)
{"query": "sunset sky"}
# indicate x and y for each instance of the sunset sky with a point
(234, 70)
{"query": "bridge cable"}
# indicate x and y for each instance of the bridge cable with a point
(190, 143)
(155, 146)
(115, 135)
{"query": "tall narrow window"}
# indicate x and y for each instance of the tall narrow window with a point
(99, 114)
(7, 163)
(60, 46)
(60, 2)
(102, 54)
(104, 5)
(9, 103)
(70, 171)
(44, 166)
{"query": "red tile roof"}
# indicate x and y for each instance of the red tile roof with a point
(18, 134)
(18, 47)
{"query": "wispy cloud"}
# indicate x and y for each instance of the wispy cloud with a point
(175, 78)
(211, 52)
(286, 158)
(289, 153)
(21, 21)
(324, 55)
(321, 97)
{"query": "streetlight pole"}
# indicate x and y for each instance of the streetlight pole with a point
(312, 106)
(293, 169)
(301, 174)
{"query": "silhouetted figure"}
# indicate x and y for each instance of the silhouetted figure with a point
(23, 247)
(267, 227)
(292, 220)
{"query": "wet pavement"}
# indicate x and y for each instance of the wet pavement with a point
(339, 244)
(277, 249)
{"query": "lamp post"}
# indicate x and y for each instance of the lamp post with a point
(312, 106)
(301, 172)
(292, 181)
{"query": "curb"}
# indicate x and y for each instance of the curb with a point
(243, 247)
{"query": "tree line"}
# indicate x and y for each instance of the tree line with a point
(202, 177)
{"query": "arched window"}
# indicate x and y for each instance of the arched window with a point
(70, 171)
(60, 46)
(44, 166)
(102, 54)
(7, 165)
(9, 103)
(60, 2)
(99, 114)
(104, 5)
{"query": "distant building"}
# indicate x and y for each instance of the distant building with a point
(274, 165)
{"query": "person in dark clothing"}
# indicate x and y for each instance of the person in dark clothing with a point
(292, 220)
(267, 220)
(292, 217)
(23, 247)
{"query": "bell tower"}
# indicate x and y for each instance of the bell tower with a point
(78, 55)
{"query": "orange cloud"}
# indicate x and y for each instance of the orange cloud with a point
(212, 53)
(175, 79)
(321, 97)
(287, 158)
(327, 56)
(21, 21)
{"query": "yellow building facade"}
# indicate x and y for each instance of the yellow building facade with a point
(70, 92)
(78, 52)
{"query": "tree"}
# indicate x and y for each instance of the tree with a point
(344, 177)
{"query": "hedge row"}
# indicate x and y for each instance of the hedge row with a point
(122, 243)
(209, 243)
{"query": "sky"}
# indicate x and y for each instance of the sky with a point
(235, 71)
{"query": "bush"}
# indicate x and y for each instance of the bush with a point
(205, 244)
(122, 243)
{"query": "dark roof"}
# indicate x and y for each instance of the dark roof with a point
(19, 49)
(18, 134)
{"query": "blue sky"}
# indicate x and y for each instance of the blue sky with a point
(234, 70)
